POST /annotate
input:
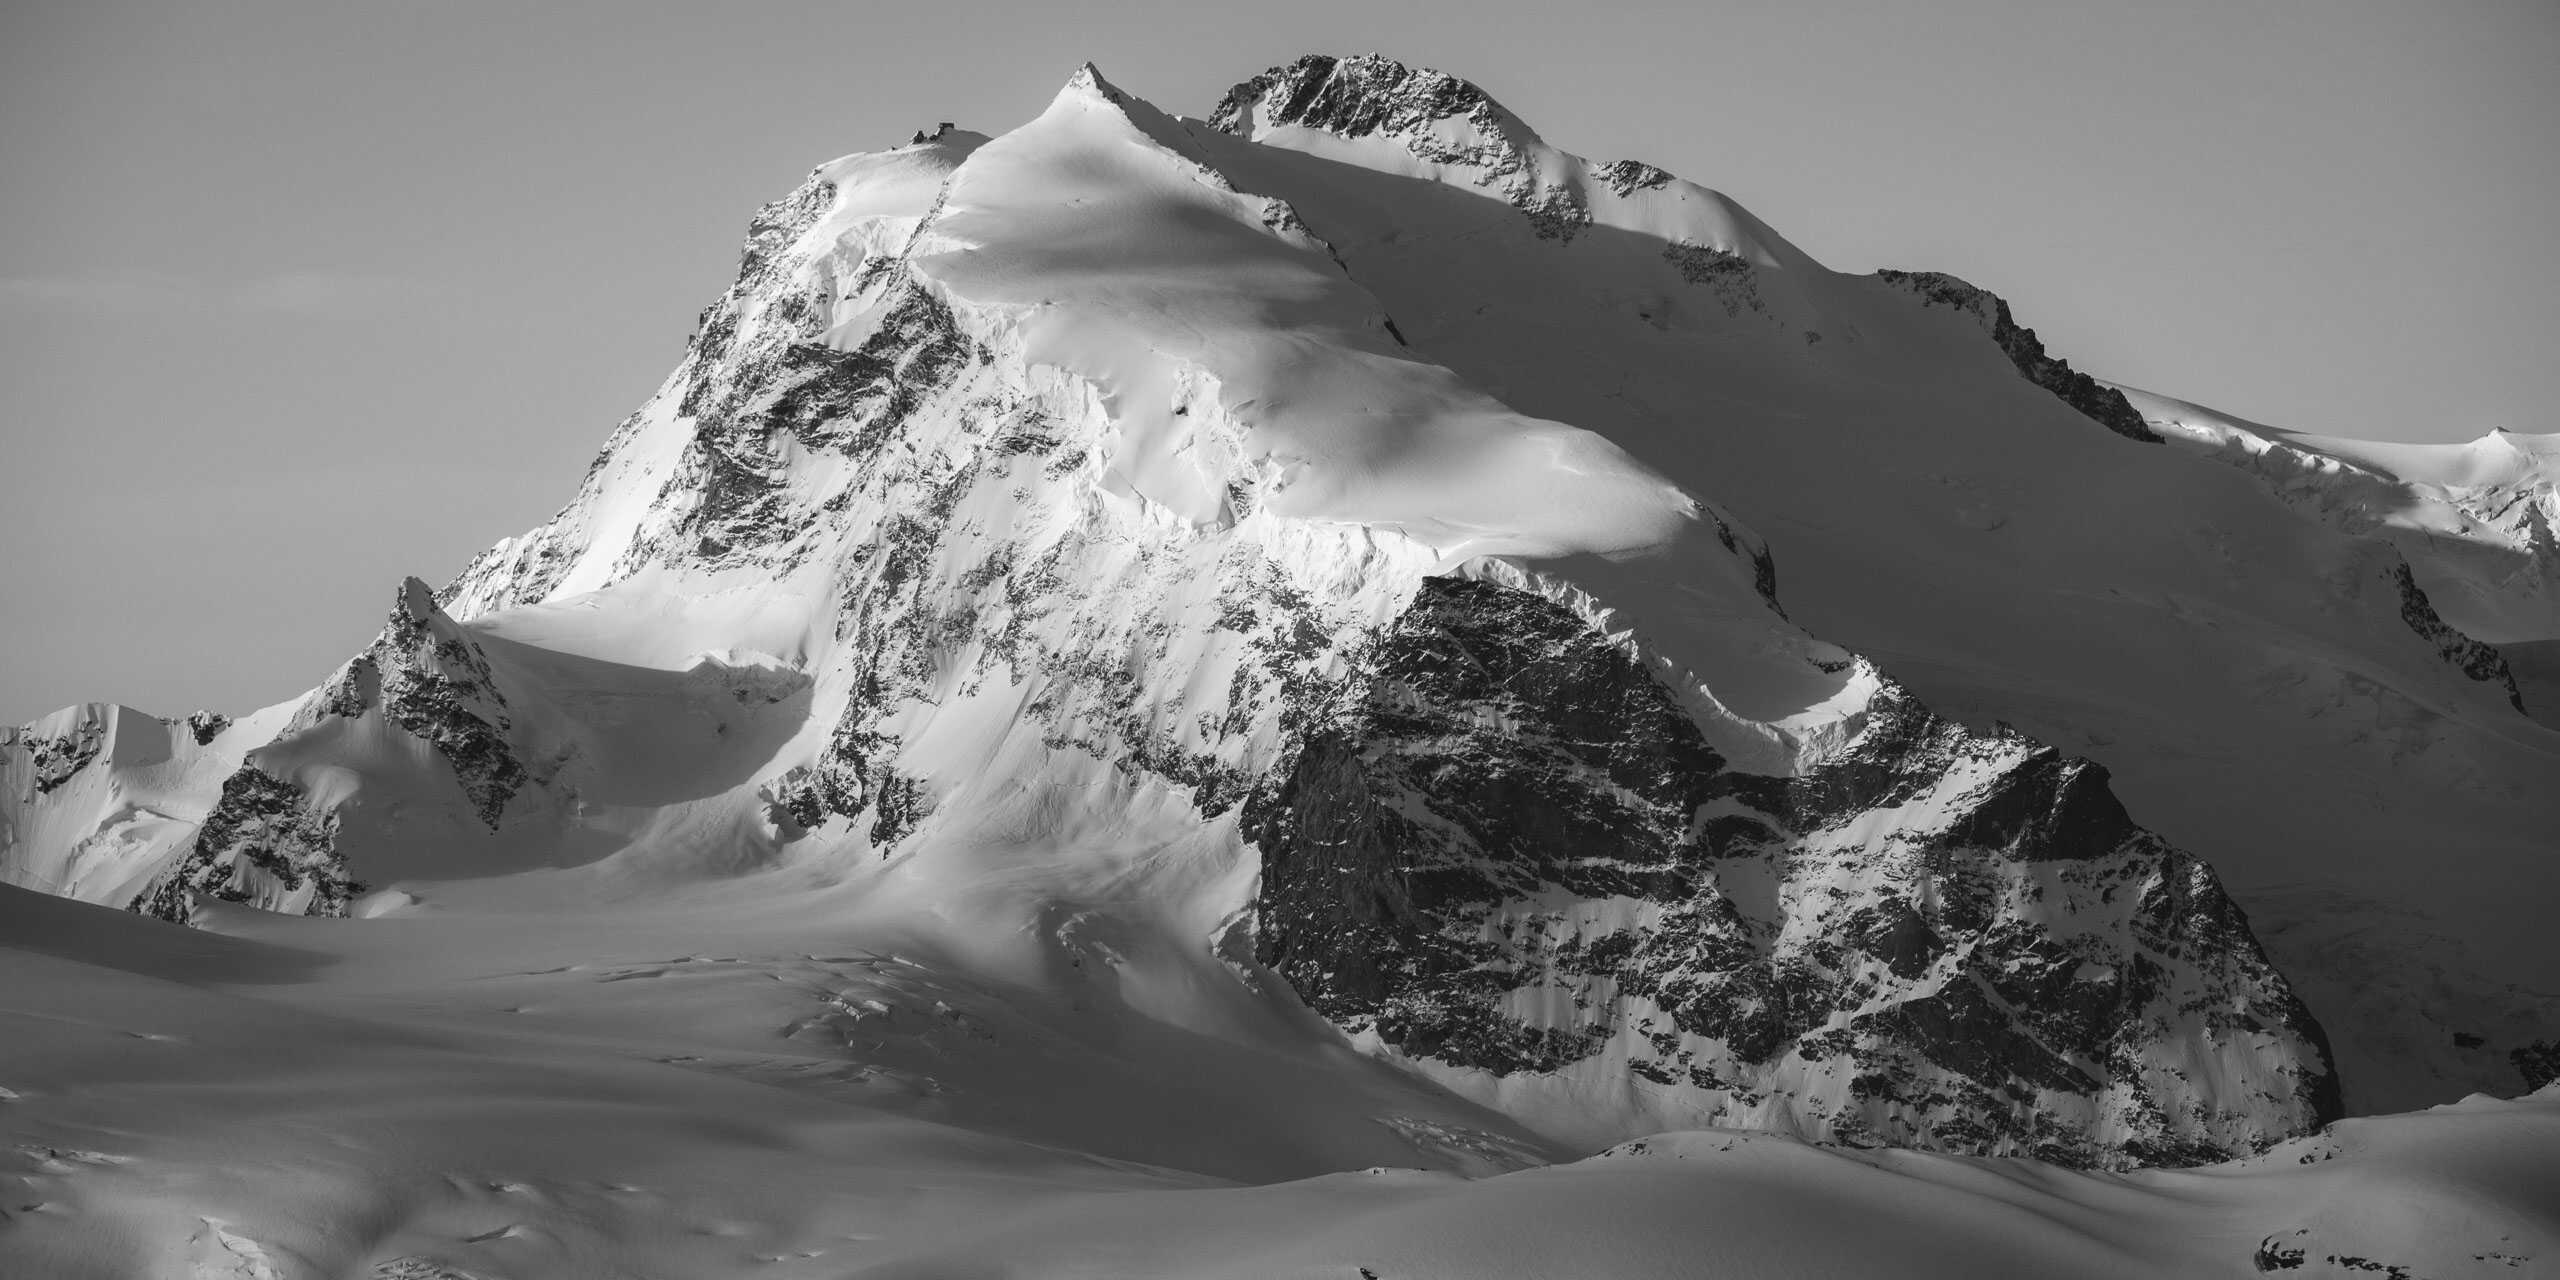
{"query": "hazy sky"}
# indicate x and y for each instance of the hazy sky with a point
(296, 299)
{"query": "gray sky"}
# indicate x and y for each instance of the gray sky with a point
(298, 298)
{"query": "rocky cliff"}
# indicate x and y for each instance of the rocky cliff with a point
(1066, 493)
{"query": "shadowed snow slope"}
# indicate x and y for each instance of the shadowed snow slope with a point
(1142, 654)
(2479, 521)
(2269, 693)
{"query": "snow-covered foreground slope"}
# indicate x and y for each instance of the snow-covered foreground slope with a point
(535, 1089)
(1361, 638)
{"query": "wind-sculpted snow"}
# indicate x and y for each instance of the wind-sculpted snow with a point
(1051, 546)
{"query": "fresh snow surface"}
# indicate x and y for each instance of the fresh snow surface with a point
(504, 1084)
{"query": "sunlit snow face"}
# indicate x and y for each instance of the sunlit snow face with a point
(869, 834)
(1130, 261)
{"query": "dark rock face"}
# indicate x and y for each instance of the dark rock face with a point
(56, 760)
(1353, 97)
(1627, 177)
(268, 842)
(2538, 1063)
(350, 691)
(763, 377)
(1360, 96)
(1593, 795)
(264, 843)
(1514, 851)
(206, 726)
(2472, 658)
(2105, 406)
(436, 685)
(1728, 275)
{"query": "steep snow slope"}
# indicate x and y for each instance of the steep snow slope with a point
(1124, 549)
(598, 1092)
(2479, 521)
(100, 797)
(1085, 360)
(2274, 695)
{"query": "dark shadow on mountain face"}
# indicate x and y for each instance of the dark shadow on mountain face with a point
(656, 737)
(2536, 665)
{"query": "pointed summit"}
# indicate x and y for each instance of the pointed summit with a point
(417, 600)
(1088, 88)
(1088, 81)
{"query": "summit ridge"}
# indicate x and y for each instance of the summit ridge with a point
(1312, 579)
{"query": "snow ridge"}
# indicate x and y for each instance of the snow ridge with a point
(2095, 400)
(1063, 494)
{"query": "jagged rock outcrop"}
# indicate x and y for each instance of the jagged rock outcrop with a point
(2478, 661)
(266, 844)
(1095, 506)
(271, 839)
(436, 686)
(207, 725)
(54, 760)
(1514, 852)
(2096, 401)
(1365, 95)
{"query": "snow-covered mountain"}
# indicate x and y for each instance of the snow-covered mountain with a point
(2479, 521)
(1348, 553)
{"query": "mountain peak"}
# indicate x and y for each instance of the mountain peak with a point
(1358, 96)
(1100, 507)
(1088, 81)
(417, 600)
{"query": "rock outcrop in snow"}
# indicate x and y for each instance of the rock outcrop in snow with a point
(2095, 400)
(272, 840)
(1114, 494)
(266, 843)
(1514, 852)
